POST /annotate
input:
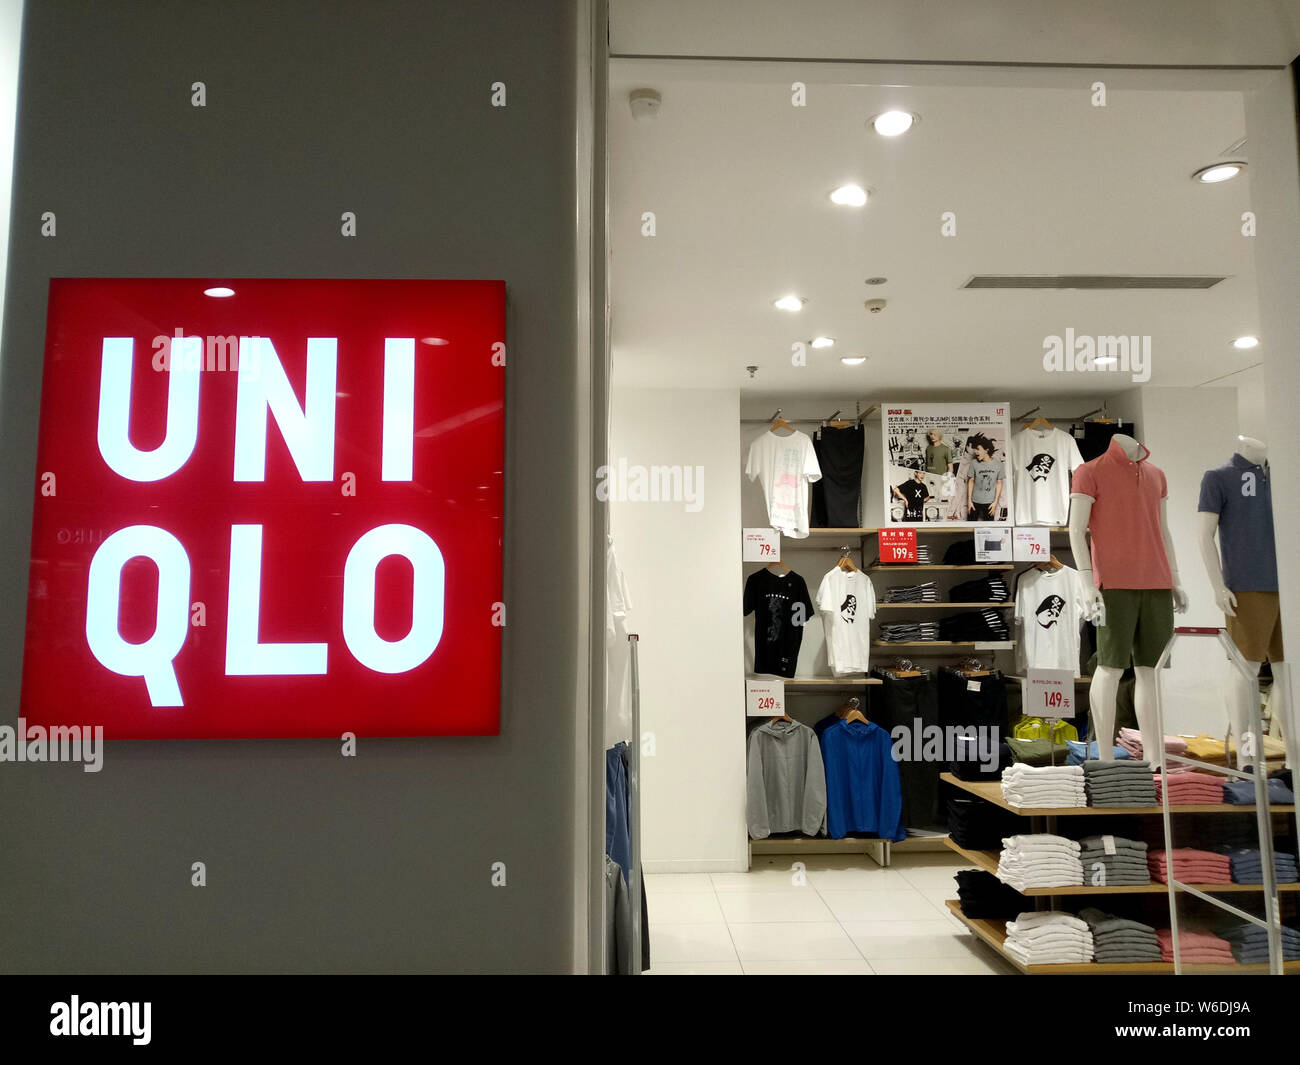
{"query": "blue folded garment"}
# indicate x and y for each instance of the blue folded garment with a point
(1242, 792)
(1078, 755)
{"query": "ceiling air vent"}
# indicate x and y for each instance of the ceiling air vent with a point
(1094, 281)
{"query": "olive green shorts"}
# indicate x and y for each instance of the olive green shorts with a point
(1139, 623)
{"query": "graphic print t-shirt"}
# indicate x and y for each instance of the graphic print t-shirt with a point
(785, 466)
(916, 493)
(986, 475)
(938, 457)
(1042, 461)
(781, 607)
(847, 602)
(1050, 610)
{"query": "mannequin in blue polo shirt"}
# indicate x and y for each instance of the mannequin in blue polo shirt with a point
(1237, 503)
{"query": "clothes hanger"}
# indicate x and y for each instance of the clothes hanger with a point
(850, 712)
(777, 562)
(1050, 565)
(779, 423)
(782, 717)
(845, 562)
(1040, 423)
(840, 424)
(971, 667)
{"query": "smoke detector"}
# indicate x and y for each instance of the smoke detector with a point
(875, 306)
(645, 104)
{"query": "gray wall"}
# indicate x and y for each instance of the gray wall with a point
(315, 862)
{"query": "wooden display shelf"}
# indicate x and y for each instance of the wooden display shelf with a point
(831, 683)
(942, 530)
(988, 861)
(994, 934)
(1020, 679)
(922, 606)
(991, 791)
(909, 567)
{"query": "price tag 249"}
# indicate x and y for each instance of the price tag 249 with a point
(764, 698)
(897, 545)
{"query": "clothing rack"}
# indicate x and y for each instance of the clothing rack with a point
(634, 879)
(871, 409)
(1072, 419)
(1271, 921)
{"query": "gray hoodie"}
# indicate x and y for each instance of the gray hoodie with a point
(786, 786)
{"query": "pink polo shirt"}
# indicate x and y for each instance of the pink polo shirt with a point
(1128, 550)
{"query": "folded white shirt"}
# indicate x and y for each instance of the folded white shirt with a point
(1040, 841)
(1036, 918)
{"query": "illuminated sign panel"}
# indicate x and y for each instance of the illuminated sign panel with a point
(277, 513)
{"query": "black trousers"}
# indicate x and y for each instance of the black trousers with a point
(835, 497)
(974, 701)
(913, 702)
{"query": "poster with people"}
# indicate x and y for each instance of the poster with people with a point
(946, 463)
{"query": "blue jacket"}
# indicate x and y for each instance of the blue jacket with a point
(863, 791)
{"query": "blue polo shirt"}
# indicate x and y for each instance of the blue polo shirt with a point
(1239, 492)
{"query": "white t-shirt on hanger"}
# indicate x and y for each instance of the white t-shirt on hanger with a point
(1042, 461)
(847, 602)
(1051, 608)
(785, 466)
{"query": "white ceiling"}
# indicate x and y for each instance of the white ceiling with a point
(1041, 182)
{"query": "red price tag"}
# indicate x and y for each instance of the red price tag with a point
(897, 545)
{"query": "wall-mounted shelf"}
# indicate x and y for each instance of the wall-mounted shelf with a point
(909, 567)
(943, 645)
(1004, 605)
(829, 683)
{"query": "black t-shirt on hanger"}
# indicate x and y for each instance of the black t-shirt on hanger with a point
(781, 607)
(916, 494)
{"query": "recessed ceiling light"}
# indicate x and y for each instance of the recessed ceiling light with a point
(1219, 172)
(876, 280)
(849, 196)
(823, 342)
(892, 123)
(790, 303)
(435, 341)
(853, 360)
(1244, 343)
(219, 292)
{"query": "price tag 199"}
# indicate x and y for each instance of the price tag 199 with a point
(897, 545)
(760, 545)
(1049, 693)
(1030, 544)
(764, 698)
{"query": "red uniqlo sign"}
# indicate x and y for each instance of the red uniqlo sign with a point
(897, 545)
(277, 513)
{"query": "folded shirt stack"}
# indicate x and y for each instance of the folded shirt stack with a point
(913, 593)
(1249, 942)
(1131, 740)
(1112, 861)
(1191, 866)
(1191, 789)
(983, 590)
(1080, 752)
(1044, 786)
(983, 895)
(1049, 937)
(978, 825)
(907, 632)
(1118, 940)
(1125, 783)
(1195, 946)
(1039, 860)
(977, 625)
(1248, 865)
(1242, 792)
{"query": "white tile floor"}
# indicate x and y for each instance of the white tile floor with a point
(850, 917)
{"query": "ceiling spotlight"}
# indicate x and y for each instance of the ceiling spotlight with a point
(876, 280)
(437, 342)
(1219, 172)
(849, 196)
(1245, 343)
(892, 123)
(219, 292)
(790, 303)
(823, 342)
(853, 360)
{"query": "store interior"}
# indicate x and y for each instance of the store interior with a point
(1022, 212)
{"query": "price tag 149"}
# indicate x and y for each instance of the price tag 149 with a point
(1049, 693)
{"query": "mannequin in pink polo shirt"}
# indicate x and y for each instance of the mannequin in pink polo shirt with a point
(1119, 533)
